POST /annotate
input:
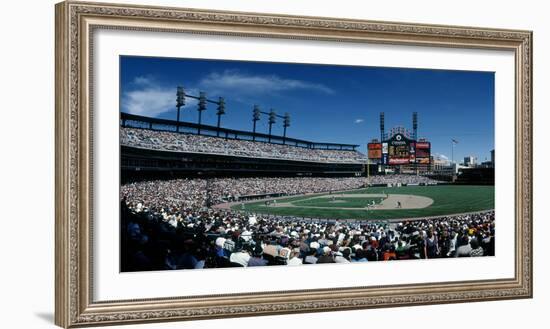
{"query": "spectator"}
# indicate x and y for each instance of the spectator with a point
(295, 259)
(464, 247)
(326, 257)
(477, 250)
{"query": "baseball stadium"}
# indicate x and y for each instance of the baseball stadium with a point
(196, 195)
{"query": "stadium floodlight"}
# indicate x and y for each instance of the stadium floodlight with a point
(286, 123)
(272, 116)
(382, 132)
(415, 124)
(256, 113)
(221, 106)
(202, 107)
(272, 120)
(221, 111)
(180, 101)
(255, 117)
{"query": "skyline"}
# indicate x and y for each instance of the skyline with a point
(342, 103)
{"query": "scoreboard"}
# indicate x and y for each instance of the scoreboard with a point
(423, 152)
(400, 150)
(375, 150)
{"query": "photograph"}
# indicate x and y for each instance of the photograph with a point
(238, 164)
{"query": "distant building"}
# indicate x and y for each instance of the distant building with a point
(439, 163)
(443, 167)
(469, 161)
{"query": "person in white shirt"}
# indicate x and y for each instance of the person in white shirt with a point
(240, 257)
(339, 258)
(295, 259)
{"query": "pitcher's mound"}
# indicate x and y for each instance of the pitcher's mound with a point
(403, 201)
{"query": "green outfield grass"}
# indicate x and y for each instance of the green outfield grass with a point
(448, 199)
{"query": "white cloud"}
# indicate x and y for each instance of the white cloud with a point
(441, 156)
(148, 101)
(143, 80)
(151, 99)
(234, 82)
(358, 120)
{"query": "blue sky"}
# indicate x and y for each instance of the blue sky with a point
(327, 103)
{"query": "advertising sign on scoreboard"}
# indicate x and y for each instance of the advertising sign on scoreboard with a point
(384, 153)
(375, 150)
(397, 161)
(423, 152)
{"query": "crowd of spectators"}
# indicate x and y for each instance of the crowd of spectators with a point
(214, 238)
(166, 225)
(403, 179)
(170, 195)
(182, 142)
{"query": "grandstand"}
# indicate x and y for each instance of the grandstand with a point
(189, 143)
(156, 148)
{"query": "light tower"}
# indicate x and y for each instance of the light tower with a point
(202, 107)
(272, 120)
(255, 117)
(415, 125)
(286, 124)
(415, 135)
(382, 138)
(221, 111)
(382, 132)
(180, 101)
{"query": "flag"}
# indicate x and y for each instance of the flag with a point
(454, 141)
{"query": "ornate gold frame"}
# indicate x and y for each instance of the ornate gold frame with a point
(76, 21)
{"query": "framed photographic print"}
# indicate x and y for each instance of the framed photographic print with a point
(218, 164)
